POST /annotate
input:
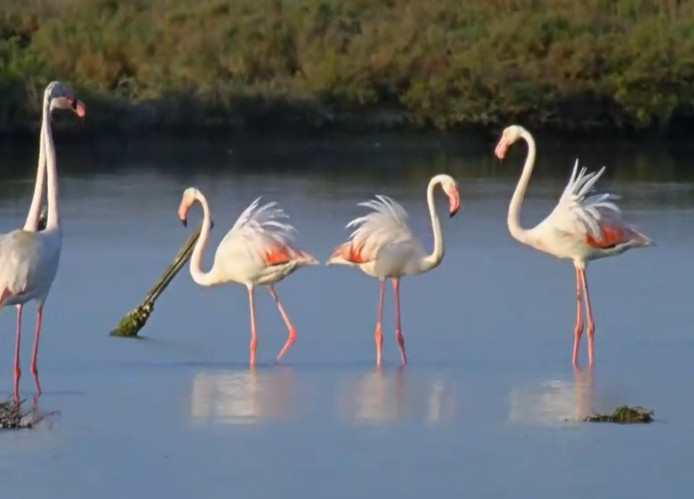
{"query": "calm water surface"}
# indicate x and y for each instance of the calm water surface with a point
(486, 407)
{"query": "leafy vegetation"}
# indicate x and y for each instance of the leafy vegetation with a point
(623, 415)
(616, 65)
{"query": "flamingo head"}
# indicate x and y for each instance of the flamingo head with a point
(61, 97)
(190, 195)
(508, 137)
(450, 187)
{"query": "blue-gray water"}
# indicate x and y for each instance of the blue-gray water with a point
(487, 405)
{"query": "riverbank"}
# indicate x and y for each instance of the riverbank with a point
(622, 68)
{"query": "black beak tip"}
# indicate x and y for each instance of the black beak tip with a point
(211, 224)
(184, 222)
(453, 213)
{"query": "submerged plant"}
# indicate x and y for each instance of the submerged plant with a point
(13, 415)
(623, 415)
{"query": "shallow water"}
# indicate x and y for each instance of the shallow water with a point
(487, 405)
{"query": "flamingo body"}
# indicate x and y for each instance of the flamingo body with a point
(29, 265)
(582, 227)
(258, 250)
(29, 259)
(382, 246)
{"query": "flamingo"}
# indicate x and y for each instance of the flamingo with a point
(258, 250)
(29, 258)
(383, 246)
(581, 227)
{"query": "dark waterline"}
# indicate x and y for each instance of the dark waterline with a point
(385, 152)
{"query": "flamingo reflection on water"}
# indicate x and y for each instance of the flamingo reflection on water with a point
(29, 258)
(383, 246)
(582, 227)
(258, 250)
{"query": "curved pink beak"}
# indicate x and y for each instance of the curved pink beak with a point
(454, 198)
(79, 108)
(501, 148)
(183, 214)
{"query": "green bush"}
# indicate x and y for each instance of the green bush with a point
(564, 64)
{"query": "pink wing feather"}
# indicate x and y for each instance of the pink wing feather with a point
(386, 224)
(261, 233)
(582, 213)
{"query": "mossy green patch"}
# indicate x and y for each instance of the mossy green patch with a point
(623, 415)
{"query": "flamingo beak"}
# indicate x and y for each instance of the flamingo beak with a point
(79, 108)
(454, 198)
(501, 148)
(183, 214)
(211, 225)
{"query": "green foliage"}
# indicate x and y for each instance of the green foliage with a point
(623, 415)
(570, 64)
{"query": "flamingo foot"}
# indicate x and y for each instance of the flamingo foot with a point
(254, 348)
(290, 341)
(578, 332)
(591, 344)
(35, 374)
(17, 370)
(38, 383)
(378, 337)
(37, 336)
(17, 376)
(401, 342)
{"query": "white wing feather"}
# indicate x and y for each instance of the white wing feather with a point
(27, 264)
(259, 228)
(386, 224)
(580, 213)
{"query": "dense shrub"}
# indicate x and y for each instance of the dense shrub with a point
(567, 64)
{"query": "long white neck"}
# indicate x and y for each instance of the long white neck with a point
(513, 219)
(434, 258)
(32, 221)
(199, 276)
(53, 221)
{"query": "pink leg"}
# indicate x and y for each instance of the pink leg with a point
(398, 328)
(17, 370)
(578, 331)
(35, 354)
(591, 323)
(254, 333)
(378, 336)
(292, 332)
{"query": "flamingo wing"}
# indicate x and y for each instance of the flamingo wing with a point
(19, 262)
(585, 214)
(385, 224)
(260, 236)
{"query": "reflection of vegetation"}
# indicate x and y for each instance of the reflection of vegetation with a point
(623, 415)
(623, 64)
(13, 415)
